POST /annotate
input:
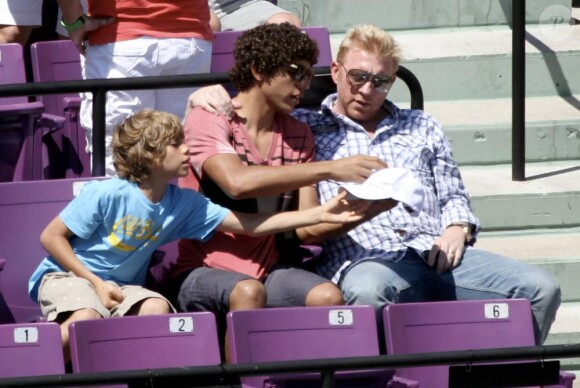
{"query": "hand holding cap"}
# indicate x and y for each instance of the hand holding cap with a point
(399, 184)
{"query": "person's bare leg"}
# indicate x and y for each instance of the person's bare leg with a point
(325, 294)
(150, 306)
(78, 315)
(246, 295)
(15, 34)
(285, 17)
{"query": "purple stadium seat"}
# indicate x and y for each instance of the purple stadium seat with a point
(222, 51)
(30, 350)
(143, 342)
(5, 313)
(60, 61)
(302, 333)
(12, 70)
(162, 263)
(23, 126)
(322, 37)
(26, 208)
(223, 48)
(457, 325)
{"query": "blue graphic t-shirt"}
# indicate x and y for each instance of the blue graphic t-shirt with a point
(117, 228)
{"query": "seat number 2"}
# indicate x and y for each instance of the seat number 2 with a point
(181, 324)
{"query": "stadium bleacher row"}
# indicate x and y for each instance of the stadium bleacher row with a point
(51, 147)
(283, 334)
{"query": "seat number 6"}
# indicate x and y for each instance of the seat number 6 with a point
(497, 311)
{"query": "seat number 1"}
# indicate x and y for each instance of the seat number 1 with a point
(25, 335)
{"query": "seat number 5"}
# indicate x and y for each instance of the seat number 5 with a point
(340, 317)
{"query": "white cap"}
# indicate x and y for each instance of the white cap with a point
(397, 183)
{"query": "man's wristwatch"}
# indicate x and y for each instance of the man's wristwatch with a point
(74, 25)
(466, 229)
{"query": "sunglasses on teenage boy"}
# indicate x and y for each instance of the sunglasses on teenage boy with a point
(381, 83)
(300, 73)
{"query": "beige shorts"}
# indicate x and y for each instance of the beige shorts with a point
(62, 292)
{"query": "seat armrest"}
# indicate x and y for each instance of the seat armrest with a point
(401, 382)
(51, 122)
(22, 109)
(567, 379)
(310, 252)
(72, 103)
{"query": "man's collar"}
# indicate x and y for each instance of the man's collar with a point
(392, 111)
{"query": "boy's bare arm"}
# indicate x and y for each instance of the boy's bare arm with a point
(313, 234)
(55, 239)
(337, 210)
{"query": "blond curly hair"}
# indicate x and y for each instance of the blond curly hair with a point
(140, 142)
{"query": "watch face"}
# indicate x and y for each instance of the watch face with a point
(467, 231)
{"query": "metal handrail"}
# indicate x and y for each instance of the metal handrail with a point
(226, 373)
(414, 86)
(519, 90)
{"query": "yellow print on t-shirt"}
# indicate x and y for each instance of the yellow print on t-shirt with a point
(131, 228)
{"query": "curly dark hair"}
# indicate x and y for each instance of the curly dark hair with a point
(267, 48)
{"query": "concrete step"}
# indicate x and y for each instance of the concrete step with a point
(555, 250)
(339, 15)
(549, 198)
(476, 62)
(481, 130)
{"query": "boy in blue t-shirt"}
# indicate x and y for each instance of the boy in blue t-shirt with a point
(100, 245)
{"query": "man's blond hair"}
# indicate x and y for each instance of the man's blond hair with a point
(140, 143)
(370, 38)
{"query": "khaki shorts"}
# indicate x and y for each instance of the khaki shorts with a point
(62, 292)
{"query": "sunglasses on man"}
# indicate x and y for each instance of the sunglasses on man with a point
(381, 83)
(300, 73)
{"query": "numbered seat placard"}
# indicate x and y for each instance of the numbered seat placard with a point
(181, 324)
(340, 317)
(497, 311)
(26, 335)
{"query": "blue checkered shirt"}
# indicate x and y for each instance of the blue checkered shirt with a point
(405, 138)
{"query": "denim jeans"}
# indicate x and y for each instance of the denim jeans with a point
(481, 275)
